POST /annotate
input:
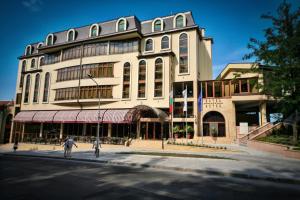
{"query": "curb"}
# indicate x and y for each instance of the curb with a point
(205, 172)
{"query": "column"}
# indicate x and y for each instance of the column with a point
(23, 130)
(61, 131)
(263, 113)
(146, 131)
(138, 130)
(109, 130)
(41, 130)
(11, 131)
(83, 129)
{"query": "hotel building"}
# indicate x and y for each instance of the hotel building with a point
(133, 65)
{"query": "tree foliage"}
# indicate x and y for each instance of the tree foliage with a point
(280, 51)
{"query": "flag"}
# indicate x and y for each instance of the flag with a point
(171, 101)
(200, 99)
(184, 94)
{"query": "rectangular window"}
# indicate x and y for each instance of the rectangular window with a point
(218, 89)
(210, 89)
(226, 88)
(244, 85)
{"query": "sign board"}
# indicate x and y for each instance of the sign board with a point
(244, 128)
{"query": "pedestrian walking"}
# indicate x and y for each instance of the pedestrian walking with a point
(15, 147)
(68, 145)
(97, 146)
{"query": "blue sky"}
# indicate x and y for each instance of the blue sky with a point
(231, 23)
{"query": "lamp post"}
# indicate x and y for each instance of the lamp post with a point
(98, 121)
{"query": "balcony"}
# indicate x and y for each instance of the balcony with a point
(229, 88)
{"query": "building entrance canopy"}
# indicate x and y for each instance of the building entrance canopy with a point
(75, 116)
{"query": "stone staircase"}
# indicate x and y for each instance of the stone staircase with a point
(254, 133)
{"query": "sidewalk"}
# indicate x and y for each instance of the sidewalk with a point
(241, 163)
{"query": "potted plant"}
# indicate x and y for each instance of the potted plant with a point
(214, 134)
(176, 131)
(190, 131)
(182, 133)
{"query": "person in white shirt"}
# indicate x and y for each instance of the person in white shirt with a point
(68, 144)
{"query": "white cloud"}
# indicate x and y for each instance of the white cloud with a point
(33, 5)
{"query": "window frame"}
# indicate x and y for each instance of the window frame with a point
(145, 81)
(125, 24)
(188, 52)
(159, 80)
(28, 81)
(175, 20)
(97, 29)
(36, 91)
(52, 39)
(68, 35)
(26, 50)
(169, 42)
(48, 89)
(145, 45)
(161, 24)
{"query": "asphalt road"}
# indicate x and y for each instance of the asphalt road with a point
(39, 178)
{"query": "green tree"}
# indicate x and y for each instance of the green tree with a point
(280, 51)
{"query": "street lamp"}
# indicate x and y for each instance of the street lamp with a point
(98, 124)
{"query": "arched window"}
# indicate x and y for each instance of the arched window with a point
(158, 78)
(39, 45)
(27, 87)
(183, 53)
(142, 79)
(46, 87)
(126, 80)
(22, 73)
(71, 35)
(33, 63)
(165, 44)
(158, 25)
(42, 61)
(94, 30)
(149, 45)
(214, 124)
(121, 25)
(36, 88)
(28, 50)
(50, 40)
(179, 21)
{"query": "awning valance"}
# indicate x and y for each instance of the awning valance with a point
(44, 116)
(25, 116)
(66, 116)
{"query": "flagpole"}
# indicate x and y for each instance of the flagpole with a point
(201, 124)
(186, 113)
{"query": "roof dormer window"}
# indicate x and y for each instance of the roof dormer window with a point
(121, 25)
(179, 21)
(94, 30)
(71, 35)
(157, 25)
(28, 50)
(50, 39)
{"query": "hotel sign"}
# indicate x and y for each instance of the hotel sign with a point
(212, 103)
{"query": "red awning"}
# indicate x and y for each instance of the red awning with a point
(66, 116)
(117, 116)
(44, 116)
(90, 116)
(25, 116)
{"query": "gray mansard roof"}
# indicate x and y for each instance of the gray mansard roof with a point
(109, 28)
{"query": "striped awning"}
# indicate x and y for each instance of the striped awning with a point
(116, 116)
(75, 116)
(66, 116)
(90, 116)
(44, 116)
(25, 116)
